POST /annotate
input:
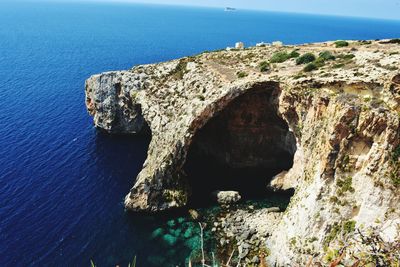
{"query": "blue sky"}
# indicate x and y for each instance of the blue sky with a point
(389, 9)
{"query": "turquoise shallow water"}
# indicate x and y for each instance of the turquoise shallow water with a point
(62, 183)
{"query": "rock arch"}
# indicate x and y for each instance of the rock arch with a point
(162, 184)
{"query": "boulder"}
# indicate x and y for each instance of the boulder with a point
(226, 197)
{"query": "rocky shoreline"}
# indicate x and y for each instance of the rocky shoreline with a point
(247, 230)
(322, 118)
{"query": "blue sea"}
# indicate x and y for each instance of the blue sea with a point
(62, 183)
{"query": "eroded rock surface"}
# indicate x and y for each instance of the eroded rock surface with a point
(344, 117)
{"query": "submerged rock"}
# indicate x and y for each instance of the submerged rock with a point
(157, 233)
(170, 239)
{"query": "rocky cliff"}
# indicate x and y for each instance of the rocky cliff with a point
(324, 117)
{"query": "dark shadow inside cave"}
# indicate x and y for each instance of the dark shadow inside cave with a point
(241, 148)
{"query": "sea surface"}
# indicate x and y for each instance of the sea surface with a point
(62, 183)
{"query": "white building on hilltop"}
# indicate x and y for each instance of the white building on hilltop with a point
(239, 45)
(277, 44)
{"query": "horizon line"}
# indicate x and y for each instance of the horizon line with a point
(129, 2)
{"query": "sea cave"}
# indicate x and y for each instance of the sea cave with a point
(241, 148)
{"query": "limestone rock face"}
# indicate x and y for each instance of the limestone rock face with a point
(110, 99)
(344, 117)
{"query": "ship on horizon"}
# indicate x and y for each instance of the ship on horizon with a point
(230, 9)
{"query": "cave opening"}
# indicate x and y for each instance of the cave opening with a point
(241, 148)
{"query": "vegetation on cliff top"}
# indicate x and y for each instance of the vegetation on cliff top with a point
(306, 58)
(341, 43)
(280, 57)
(242, 74)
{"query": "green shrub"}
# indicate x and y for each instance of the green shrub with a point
(392, 41)
(341, 44)
(345, 227)
(294, 54)
(335, 229)
(338, 66)
(331, 255)
(306, 58)
(319, 62)
(346, 57)
(282, 56)
(242, 74)
(310, 67)
(349, 226)
(180, 69)
(264, 66)
(279, 57)
(326, 55)
(395, 173)
(364, 42)
(396, 153)
(345, 185)
(334, 199)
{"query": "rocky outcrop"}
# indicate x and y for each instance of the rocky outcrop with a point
(341, 121)
(109, 100)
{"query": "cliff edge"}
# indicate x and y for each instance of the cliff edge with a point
(330, 109)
